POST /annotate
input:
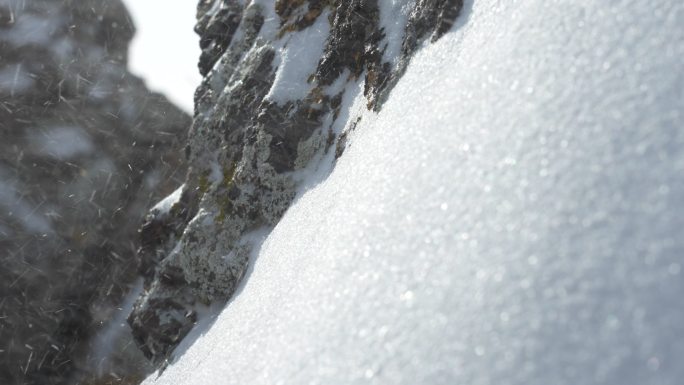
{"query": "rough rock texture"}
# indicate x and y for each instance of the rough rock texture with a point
(86, 149)
(276, 76)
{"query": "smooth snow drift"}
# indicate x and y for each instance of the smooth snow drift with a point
(512, 216)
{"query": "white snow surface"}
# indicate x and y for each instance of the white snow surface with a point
(165, 205)
(296, 59)
(513, 215)
(393, 17)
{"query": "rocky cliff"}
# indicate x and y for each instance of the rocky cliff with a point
(280, 79)
(512, 215)
(86, 149)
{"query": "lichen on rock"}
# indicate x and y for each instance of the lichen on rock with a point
(277, 75)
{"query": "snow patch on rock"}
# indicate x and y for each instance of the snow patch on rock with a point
(296, 59)
(165, 205)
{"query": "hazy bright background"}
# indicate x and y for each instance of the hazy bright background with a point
(165, 49)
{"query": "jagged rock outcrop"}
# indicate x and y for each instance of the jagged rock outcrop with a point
(86, 149)
(278, 77)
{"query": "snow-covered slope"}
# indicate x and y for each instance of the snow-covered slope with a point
(165, 49)
(513, 215)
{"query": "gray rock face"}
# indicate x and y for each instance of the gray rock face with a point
(86, 149)
(276, 75)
